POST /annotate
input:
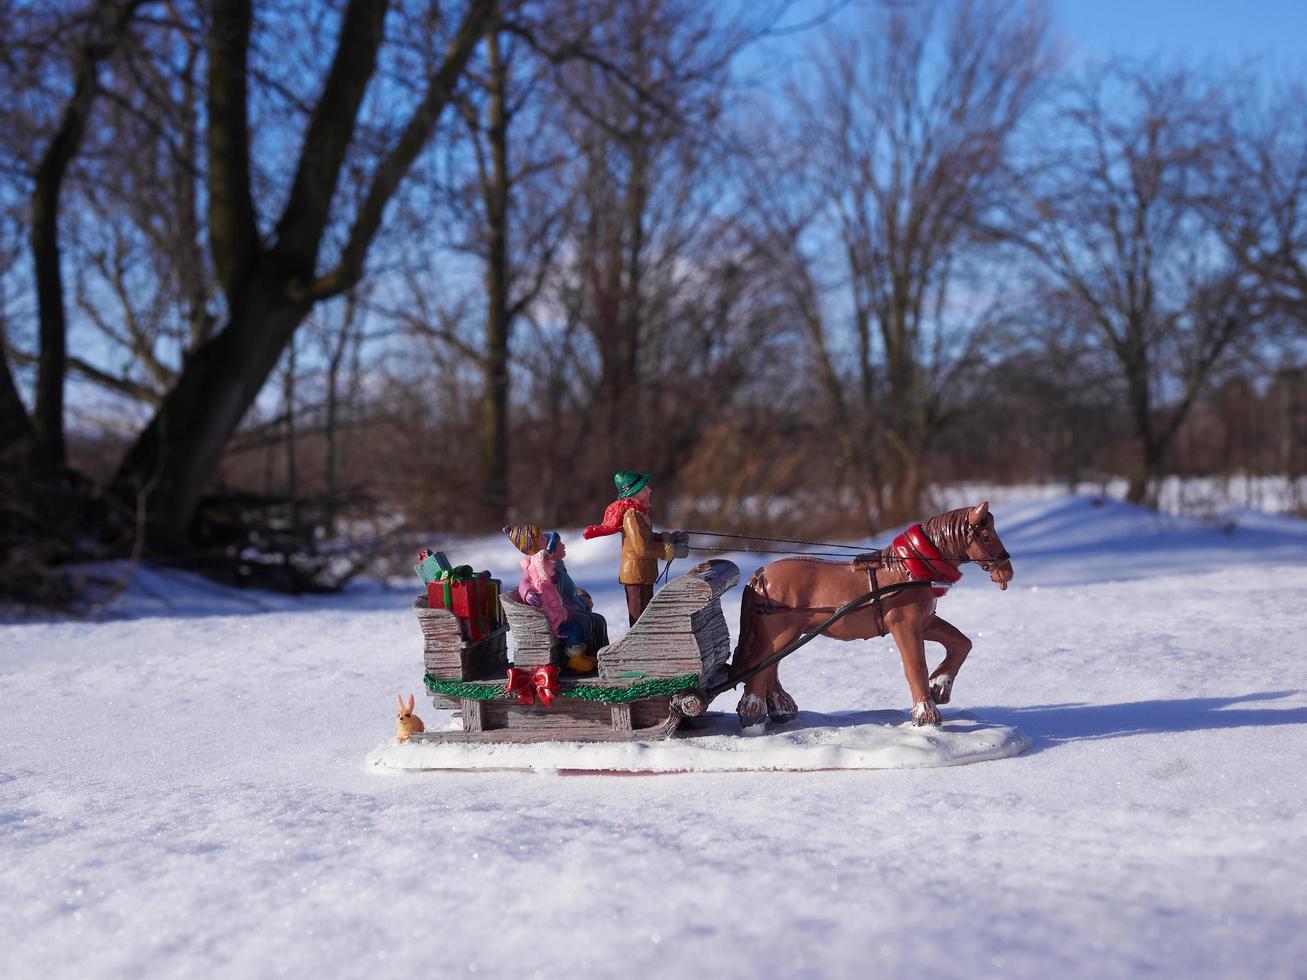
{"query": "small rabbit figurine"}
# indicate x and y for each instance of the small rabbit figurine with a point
(407, 723)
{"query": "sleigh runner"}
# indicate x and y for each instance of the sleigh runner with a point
(646, 682)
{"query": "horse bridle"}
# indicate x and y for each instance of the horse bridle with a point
(986, 564)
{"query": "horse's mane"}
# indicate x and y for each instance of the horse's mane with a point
(949, 532)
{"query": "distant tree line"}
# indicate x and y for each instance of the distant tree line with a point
(463, 260)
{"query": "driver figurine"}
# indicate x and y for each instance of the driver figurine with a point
(642, 547)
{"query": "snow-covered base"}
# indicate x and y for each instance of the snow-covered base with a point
(813, 741)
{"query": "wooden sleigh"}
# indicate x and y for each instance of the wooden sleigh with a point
(646, 683)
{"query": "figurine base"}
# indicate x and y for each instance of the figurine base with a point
(813, 741)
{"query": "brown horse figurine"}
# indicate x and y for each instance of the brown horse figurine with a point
(795, 595)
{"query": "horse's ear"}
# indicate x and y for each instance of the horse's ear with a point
(978, 514)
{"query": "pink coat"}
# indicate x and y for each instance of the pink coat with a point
(537, 588)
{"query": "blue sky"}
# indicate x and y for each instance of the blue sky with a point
(1269, 37)
(1273, 32)
(1227, 32)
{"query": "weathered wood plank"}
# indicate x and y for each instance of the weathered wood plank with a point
(565, 711)
(621, 717)
(717, 574)
(651, 712)
(534, 643)
(447, 655)
(682, 631)
(663, 727)
(473, 715)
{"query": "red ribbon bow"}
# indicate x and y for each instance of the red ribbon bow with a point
(528, 684)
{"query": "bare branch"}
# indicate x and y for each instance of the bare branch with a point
(440, 90)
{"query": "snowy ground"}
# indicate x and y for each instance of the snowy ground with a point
(183, 791)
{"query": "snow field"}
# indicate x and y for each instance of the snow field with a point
(183, 791)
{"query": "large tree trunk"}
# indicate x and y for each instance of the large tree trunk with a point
(181, 447)
(906, 426)
(1143, 473)
(623, 437)
(271, 290)
(1134, 363)
(17, 436)
(52, 365)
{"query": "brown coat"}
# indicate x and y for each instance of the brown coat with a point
(641, 550)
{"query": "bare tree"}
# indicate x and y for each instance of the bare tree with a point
(645, 101)
(17, 436)
(270, 282)
(902, 142)
(1113, 218)
(98, 30)
(506, 209)
(1257, 201)
(142, 283)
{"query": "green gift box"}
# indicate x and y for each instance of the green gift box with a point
(430, 565)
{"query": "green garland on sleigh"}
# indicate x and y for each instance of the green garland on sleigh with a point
(491, 691)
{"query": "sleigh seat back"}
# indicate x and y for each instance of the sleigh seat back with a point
(533, 642)
(449, 655)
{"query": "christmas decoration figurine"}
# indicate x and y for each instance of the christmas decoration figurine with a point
(642, 547)
(406, 722)
(547, 585)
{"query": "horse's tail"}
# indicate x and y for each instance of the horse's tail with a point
(746, 647)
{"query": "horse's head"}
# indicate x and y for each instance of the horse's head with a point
(984, 547)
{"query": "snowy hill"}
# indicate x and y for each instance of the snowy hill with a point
(182, 790)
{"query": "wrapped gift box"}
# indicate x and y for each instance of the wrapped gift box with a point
(471, 596)
(430, 565)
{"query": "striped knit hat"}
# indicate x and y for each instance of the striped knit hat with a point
(524, 537)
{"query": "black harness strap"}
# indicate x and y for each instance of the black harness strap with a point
(853, 605)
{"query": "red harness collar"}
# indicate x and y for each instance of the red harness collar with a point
(923, 559)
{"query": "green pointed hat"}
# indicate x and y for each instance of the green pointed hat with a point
(629, 484)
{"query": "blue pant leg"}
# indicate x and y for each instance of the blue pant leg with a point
(572, 631)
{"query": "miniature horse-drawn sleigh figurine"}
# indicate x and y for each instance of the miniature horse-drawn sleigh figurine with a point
(673, 661)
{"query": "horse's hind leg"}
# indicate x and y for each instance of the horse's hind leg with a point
(763, 695)
(752, 709)
(764, 698)
(753, 646)
(780, 706)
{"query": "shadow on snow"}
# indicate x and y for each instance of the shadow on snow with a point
(1048, 724)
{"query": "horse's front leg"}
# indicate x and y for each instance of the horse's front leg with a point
(906, 625)
(956, 647)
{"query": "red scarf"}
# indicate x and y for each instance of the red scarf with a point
(612, 522)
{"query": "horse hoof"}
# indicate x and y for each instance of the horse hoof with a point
(941, 689)
(752, 711)
(924, 713)
(781, 708)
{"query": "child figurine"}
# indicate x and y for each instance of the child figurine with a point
(641, 546)
(547, 584)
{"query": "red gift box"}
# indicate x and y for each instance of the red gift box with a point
(475, 601)
(492, 603)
